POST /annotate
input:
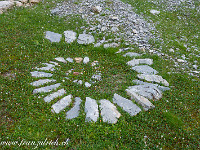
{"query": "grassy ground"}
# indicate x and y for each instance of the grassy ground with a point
(174, 123)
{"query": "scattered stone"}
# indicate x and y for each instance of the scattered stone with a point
(131, 54)
(42, 82)
(78, 59)
(114, 18)
(113, 45)
(86, 60)
(126, 105)
(61, 59)
(53, 37)
(135, 62)
(74, 112)
(70, 36)
(87, 84)
(153, 78)
(195, 67)
(54, 95)
(61, 104)
(145, 103)
(49, 67)
(46, 88)
(85, 39)
(94, 63)
(91, 110)
(97, 77)
(144, 69)
(40, 74)
(154, 12)
(70, 60)
(96, 9)
(80, 82)
(109, 111)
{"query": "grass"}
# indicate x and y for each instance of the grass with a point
(173, 124)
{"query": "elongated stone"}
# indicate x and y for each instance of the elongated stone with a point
(144, 69)
(42, 82)
(144, 102)
(126, 105)
(61, 59)
(40, 74)
(74, 112)
(61, 104)
(46, 88)
(131, 54)
(153, 78)
(91, 110)
(135, 62)
(54, 95)
(49, 67)
(109, 111)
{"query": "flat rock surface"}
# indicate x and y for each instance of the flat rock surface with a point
(144, 69)
(70, 36)
(54, 95)
(85, 39)
(49, 67)
(153, 78)
(135, 62)
(91, 110)
(109, 111)
(126, 105)
(61, 104)
(42, 82)
(61, 59)
(131, 54)
(53, 37)
(74, 112)
(40, 74)
(46, 88)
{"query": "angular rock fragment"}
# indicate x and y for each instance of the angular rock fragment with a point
(131, 54)
(46, 88)
(86, 60)
(109, 111)
(78, 59)
(49, 67)
(144, 102)
(40, 74)
(70, 36)
(87, 84)
(85, 39)
(54, 95)
(91, 110)
(53, 37)
(61, 104)
(135, 62)
(144, 69)
(70, 60)
(61, 59)
(112, 45)
(126, 105)
(153, 78)
(42, 82)
(74, 112)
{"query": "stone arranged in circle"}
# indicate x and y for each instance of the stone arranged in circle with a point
(70, 36)
(135, 62)
(85, 39)
(91, 110)
(144, 69)
(61, 59)
(131, 54)
(42, 82)
(40, 74)
(46, 88)
(48, 67)
(53, 37)
(74, 112)
(54, 95)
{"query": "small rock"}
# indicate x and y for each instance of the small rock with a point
(87, 84)
(70, 36)
(53, 37)
(154, 12)
(114, 18)
(94, 63)
(86, 60)
(97, 77)
(80, 82)
(96, 9)
(69, 60)
(171, 50)
(85, 39)
(131, 54)
(75, 73)
(181, 60)
(78, 59)
(61, 59)
(113, 45)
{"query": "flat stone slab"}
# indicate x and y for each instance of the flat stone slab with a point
(109, 111)
(61, 59)
(144, 102)
(126, 105)
(144, 69)
(74, 112)
(85, 39)
(161, 88)
(150, 92)
(131, 54)
(61, 104)
(42, 82)
(6, 5)
(54, 95)
(49, 67)
(135, 62)
(40, 74)
(112, 45)
(70, 36)
(91, 110)
(53, 37)
(46, 88)
(153, 78)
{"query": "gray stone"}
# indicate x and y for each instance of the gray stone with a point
(54, 95)
(112, 45)
(91, 110)
(135, 62)
(46, 88)
(86, 60)
(53, 37)
(74, 112)
(153, 78)
(144, 69)
(87, 84)
(109, 111)
(97, 77)
(114, 29)
(85, 39)
(131, 54)
(96, 9)
(70, 60)
(144, 102)
(70, 36)
(61, 59)
(126, 105)
(42, 82)
(154, 12)
(40, 74)
(4, 5)
(49, 67)
(61, 104)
